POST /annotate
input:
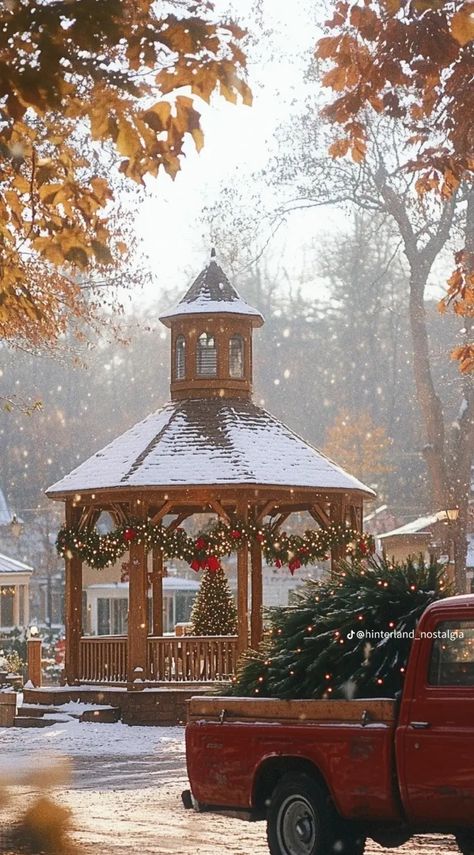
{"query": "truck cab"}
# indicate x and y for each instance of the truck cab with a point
(435, 734)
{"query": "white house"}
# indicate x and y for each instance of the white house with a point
(105, 605)
(14, 593)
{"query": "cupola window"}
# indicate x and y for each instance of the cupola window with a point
(236, 356)
(206, 355)
(180, 363)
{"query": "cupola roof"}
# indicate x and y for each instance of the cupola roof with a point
(211, 292)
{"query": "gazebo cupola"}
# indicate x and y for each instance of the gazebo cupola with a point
(211, 339)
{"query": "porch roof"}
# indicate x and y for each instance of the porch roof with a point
(420, 526)
(11, 565)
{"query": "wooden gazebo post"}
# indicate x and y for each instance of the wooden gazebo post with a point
(256, 619)
(157, 590)
(338, 516)
(138, 606)
(73, 605)
(242, 588)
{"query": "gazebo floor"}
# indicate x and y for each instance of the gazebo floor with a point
(157, 705)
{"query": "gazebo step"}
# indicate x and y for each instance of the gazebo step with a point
(33, 711)
(89, 694)
(158, 705)
(108, 715)
(35, 721)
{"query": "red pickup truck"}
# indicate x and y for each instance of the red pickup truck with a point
(328, 774)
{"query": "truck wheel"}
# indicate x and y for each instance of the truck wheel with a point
(301, 821)
(465, 843)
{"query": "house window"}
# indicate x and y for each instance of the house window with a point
(103, 616)
(184, 601)
(7, 594)
(206, 356)
(119, 616)
(236, 356)
(180, 363)
(112, 615)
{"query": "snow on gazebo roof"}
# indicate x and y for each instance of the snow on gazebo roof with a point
(211, 291)
(197, 442)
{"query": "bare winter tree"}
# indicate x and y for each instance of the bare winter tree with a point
(424, 227)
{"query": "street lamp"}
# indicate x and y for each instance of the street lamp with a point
(452, 516)
(15, 526)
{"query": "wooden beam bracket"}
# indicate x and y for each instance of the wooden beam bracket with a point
(280, 520)
(269, 506)
(220, 510)
(88, 518)
(165, 509)
(320, 516)
(177, 522)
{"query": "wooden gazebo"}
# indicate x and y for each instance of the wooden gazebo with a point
(210, 450)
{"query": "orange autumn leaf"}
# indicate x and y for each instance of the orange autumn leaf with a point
(462, 24)
(413, 63)
(92, 101)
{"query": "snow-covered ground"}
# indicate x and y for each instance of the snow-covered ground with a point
(77, 739)
(123, 785)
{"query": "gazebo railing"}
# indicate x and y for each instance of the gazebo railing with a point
(103, 659)
(192, 658)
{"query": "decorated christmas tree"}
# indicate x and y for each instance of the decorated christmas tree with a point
(346, 637)
(214, 612)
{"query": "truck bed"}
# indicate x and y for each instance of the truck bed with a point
(235, 744)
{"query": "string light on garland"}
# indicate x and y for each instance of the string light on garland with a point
(204, 551)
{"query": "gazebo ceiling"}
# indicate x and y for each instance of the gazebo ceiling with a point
(201, 442)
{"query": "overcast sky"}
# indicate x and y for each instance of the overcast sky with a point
(236, 138)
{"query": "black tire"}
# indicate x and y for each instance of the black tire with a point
(302, 821)
(465, 841)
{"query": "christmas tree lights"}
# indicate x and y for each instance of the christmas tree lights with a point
(214, 612)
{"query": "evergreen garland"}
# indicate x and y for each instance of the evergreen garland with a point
(313, 649)
(214, 612)
(207, 549)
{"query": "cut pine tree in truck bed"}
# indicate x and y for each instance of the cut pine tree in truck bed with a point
(346, 637)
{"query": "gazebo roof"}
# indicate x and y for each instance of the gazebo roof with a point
(198, 442)
(212, 292)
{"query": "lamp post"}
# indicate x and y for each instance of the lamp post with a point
(16, 527)
(452, 515)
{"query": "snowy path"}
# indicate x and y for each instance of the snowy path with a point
(125, 794)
